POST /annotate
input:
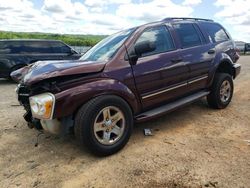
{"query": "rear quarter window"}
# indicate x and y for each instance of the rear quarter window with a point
(215, 32)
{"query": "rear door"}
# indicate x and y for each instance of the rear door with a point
(220, 39)
(197, 53)
(159, 75)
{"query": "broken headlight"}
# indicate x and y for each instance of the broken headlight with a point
(42, 105)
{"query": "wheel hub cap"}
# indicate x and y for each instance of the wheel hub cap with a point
(225, 91)
(109, 125)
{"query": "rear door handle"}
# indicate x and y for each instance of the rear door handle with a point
(211, 51)
(176, 60)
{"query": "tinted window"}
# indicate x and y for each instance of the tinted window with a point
(35, 47)
(4, 48)
(216, 32)
(160, 36)
(188, 35)
(59, 47)
(23, 47)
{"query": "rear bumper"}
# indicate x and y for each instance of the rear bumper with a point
(236, 69)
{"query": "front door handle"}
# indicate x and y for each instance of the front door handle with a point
(176, 60)
(211, 51)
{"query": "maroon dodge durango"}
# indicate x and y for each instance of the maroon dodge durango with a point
(131, 76)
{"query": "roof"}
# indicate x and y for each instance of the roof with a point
(177, 19)
(186, 18)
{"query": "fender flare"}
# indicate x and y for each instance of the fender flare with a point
(220, 59)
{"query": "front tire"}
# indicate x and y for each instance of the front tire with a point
(104, 124)
(221, 91)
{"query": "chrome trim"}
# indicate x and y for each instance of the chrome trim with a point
(165, 90)
(198, 79)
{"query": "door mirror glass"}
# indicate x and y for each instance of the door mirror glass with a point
(144, 47)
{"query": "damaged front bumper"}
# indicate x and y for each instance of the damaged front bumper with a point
(54, 126)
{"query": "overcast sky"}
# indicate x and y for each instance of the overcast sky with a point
(109, 16)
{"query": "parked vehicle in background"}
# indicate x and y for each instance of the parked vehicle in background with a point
(134, 75)
(247, 48)
(15, 54)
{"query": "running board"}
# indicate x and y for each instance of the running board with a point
(170, 106)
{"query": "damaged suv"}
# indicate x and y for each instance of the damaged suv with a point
(131, 76)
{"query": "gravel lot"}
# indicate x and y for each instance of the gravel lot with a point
(192, 147)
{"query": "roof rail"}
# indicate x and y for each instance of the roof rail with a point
(186, 18)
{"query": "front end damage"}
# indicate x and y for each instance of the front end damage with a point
(55, 126)
(40, 82)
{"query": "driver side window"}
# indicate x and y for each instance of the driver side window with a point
(160, 36)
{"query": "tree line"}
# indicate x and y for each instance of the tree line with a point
(73, 40)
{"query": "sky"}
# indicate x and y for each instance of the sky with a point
(104, 17)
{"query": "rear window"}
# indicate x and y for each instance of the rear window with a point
(188, 35)
(215, 32)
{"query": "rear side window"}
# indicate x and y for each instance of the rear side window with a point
(4, 48)
(188, 35)
(25, 47)
(10, 47)
(35, 47)
(160, 36)
(215, 32)
(59, 47)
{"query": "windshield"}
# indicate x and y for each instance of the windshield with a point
(108, 47)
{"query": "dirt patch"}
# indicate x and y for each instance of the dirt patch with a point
(194, 147)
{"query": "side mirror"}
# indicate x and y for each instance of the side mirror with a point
(144, 47)
(139, 49)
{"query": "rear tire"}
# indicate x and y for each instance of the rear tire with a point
(221, 91)
(104, 124)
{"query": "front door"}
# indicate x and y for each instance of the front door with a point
(159, 75)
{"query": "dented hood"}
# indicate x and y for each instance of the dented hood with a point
(42, 70)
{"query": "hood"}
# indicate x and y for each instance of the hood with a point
(42, 70)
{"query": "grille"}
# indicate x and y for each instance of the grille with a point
(23, 93)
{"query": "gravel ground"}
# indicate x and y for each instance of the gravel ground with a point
(192, 147)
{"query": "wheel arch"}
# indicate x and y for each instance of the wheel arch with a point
(223, 64)
(70, 101)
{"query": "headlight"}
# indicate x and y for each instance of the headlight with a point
(42, 105)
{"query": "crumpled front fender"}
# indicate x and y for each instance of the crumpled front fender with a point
(69, 101)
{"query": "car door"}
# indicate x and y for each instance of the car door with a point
(197, 53)
(159, 75)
